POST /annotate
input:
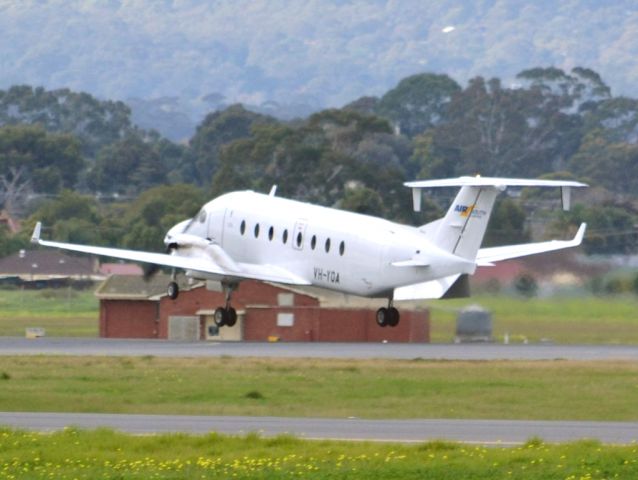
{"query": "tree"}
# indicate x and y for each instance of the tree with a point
(493, 130)
(128, 166)
(70, 217)
(576, 91)
(95, 123)
(507, 224)
(155, 211)
(32, 160)
(317, 161)
(216, 130)
(418, 102)
(613, 165)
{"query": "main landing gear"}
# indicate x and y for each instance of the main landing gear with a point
(226, 315)
(173, 289)
(388, 317)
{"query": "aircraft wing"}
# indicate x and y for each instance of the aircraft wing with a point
(202, 263)
(486, 256)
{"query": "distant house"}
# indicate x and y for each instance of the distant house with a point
(47, 268)
(132, 307)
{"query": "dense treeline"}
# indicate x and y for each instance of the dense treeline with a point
(81, 166)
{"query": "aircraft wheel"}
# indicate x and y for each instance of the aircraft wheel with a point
(220, 317)
(172, 290)
(393, 317)
(382, 317)
(232, 317)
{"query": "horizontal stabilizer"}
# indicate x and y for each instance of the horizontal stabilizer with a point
(492, 182)
(496, 182)
(486, 256)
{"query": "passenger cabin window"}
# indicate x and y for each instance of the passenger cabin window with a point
(342, 248)
(327, 245)
(257, 230)
(284, 237)
(299, 239)
(313, 242)
(242, 227)
(271, 233)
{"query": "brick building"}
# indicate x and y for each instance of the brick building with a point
(133, 308)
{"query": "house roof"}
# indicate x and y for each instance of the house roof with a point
(130, 287)
(40, 263)
(121, 269)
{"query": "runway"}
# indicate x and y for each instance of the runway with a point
(163, 348)
(491, 432)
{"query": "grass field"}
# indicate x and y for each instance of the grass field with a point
(99, 454)
(62, 312)
(610, 320)
(564, 390)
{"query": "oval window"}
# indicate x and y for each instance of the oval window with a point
(284, 237)
(327, 245)
(313, 242)
(342, 248)
(242, 227)
(299, 239)
(271, 233)
(256, 230)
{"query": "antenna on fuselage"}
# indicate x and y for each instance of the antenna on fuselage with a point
(273, 190)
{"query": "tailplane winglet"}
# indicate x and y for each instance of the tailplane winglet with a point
(35, 236)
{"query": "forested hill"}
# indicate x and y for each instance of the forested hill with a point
(82, 166)
(178, 60)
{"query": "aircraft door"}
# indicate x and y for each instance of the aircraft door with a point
(299, 234)
(216, 225)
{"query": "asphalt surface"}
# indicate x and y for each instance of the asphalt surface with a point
(163, 348)
(473, 431)
(495, 432)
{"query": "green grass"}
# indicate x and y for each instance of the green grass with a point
(322, 388)
(75, 454)
(609, 320)
(61, 312)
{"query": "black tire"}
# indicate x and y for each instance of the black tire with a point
(382, 317)
(393, 317)
(172, 290)
(232, 317)
(220, 317)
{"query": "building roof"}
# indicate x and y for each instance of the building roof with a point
(121, 269)
(46, 263)
(130, 287)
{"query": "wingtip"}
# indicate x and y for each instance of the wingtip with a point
(35, 236)
(580, 234)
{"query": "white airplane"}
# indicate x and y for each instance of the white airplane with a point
(247, 235)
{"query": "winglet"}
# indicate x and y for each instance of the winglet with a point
(580, 234)
(35, 237)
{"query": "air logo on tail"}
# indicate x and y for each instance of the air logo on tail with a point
(464, 210)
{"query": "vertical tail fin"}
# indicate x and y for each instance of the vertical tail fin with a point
(462, 229)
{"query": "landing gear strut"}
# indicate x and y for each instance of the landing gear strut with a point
(388, 317)
(226, 315)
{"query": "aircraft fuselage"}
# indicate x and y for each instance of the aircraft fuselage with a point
(332, 249)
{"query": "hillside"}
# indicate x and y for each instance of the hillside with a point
(290, 58)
